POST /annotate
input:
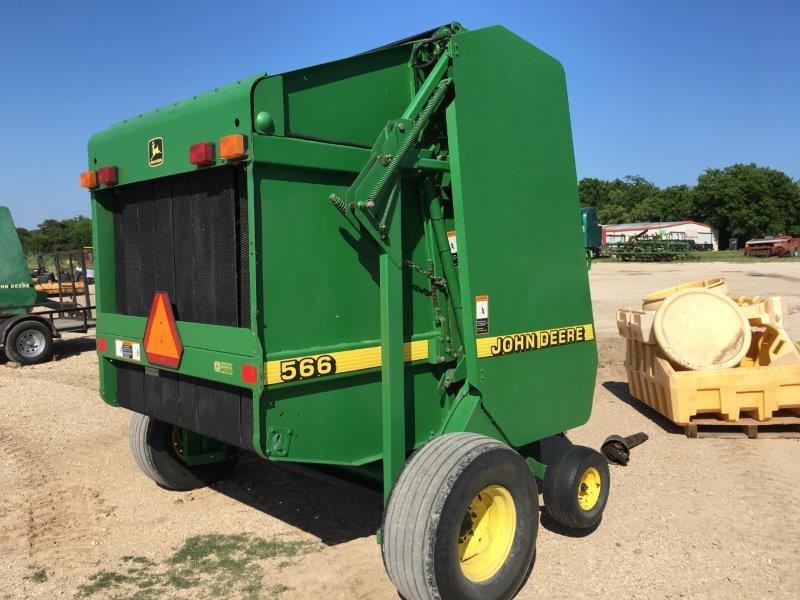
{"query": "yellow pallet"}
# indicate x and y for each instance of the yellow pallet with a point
(762, 310)
(759, 390)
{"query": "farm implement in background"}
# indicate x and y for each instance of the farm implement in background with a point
(778, 245)
(650, 248)
(37, 306)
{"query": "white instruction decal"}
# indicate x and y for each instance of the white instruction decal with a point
(451, 239)
(481, 314)
(128, 350)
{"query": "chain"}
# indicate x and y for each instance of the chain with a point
(438, 282)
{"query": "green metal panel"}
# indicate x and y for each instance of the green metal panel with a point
(321, 295)
(349, 99)
(16, 290)
(518, 226)
(202, 118)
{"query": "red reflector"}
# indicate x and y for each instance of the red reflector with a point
(250, 374)
(201, 153)
(101, 345)
(107, 175)
(162, 344)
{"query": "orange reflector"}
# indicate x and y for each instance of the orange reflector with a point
(233, 146)
(102, 346)
(89, 180)
(162, 344)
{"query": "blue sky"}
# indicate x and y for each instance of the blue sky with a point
(660, 89)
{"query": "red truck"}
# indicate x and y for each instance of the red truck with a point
(774, 245)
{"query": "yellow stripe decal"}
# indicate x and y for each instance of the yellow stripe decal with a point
(345, 361)
(534, 340)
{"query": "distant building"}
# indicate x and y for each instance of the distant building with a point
(704, 236)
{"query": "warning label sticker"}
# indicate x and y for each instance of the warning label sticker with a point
(128, 350)
(481, 314)
(451, 239)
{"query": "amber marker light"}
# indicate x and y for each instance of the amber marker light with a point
(89, 180)
(233, 146)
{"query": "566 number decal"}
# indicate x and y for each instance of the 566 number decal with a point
(307, 367)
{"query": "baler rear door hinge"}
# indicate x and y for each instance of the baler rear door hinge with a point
(370, 201)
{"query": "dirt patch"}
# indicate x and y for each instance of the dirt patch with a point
(704, 518)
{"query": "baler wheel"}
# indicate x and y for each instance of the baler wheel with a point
(153, 449)
(576, 486)
(29, 343)
(461, 521)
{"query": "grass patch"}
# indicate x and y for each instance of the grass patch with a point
(733, 256)
(212, 566)
(737, 256)
(38, 576)
(277, 590)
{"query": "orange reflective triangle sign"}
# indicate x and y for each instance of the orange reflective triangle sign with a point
(162, 344)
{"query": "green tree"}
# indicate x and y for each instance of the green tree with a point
(54, 234)
(741, 200)
(617, 201)
(747, 201)
(673, 203)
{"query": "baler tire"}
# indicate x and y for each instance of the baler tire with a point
(427, 512)
(562, 488)
(40, 333)
(154, 453)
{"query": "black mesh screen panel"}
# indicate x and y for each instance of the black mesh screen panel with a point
(185, 235)
(220, 411)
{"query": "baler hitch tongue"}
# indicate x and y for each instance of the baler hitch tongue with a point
(618, 449)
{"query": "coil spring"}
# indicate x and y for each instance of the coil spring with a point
(434, 101)
(338, 203)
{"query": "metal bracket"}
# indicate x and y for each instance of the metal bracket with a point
(278, 440)
(195, 449)
(370, 201)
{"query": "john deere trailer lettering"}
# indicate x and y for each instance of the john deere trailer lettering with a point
(277, 257)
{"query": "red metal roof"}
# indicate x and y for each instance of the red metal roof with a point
(656, 225)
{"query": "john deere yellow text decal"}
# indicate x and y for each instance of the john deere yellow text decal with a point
(534, 340)
(155, 151)
(332, 363)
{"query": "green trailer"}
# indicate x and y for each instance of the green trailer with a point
(29, 319)
(276, 273)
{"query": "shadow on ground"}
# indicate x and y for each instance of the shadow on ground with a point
(551, 524)
(72, 347)
(328, 512)
(621, 391)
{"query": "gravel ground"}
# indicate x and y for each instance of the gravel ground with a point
(705, 518)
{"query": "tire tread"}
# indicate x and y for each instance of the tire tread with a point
(411, 512)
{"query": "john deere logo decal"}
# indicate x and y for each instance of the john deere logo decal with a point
(155, 151)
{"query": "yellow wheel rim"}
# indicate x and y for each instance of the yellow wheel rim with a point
(589, 488)
(487, 532)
